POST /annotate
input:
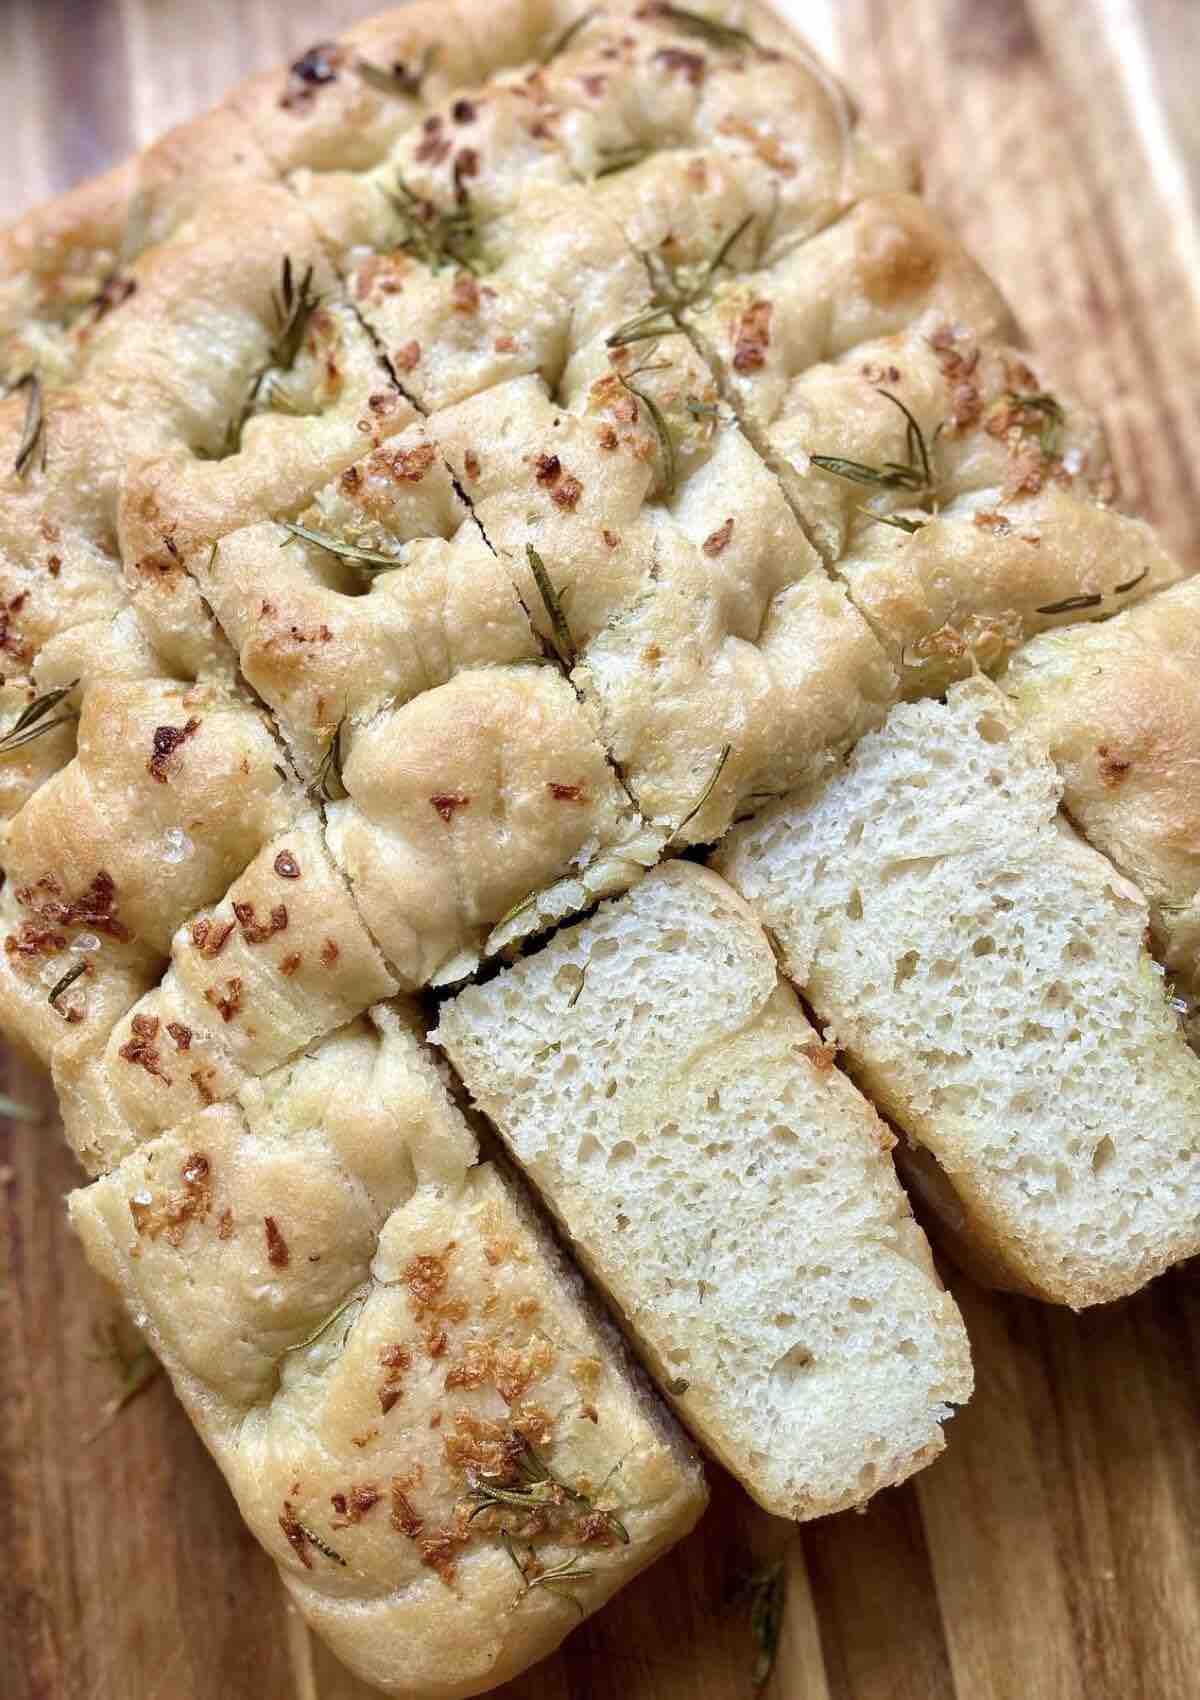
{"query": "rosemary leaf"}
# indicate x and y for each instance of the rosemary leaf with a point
(722, 254)
(890, 476)
(68, 980)
(709, 29)
(374, 559)
(564, 39)
(1069, 604)
(1130, 583)
(1050, 409)
(309, 1339)
(658, 420)
(648, 325)
(32, 720)
(564, 643)
(294, 305)
(17, 1112)
(620, 159)
(914, 439)
(395, 78)
(135, 1371)
(33, 430)
(898, 521)
(328, 785)
(322, 1546)
(768, 1597)
(705, 794)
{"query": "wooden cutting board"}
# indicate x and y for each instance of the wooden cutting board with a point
(1053, 1553)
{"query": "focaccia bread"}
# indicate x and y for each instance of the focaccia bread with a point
(504, 449)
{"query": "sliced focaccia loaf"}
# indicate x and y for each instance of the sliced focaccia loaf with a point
(424, 1419)
(727, 1186)
(986, 974)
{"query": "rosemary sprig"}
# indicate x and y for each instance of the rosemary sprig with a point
(328, 784)
(705, 794)
(374, 560)
(564, 643)
(395, 78)
(555, 1578)
(434, 237)
(1052, 416)
(32, 721)
(294, 306)
(675, 288)
(134, 1369)
(709, 29)
(536, 1488)
(565, 37)
(68, 980)
(914, 474)
(33, 430)
(658, 420)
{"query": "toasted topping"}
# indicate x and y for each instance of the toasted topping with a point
(170, 1218)
(229, 1001)
(717, 541)
(446, 803)
(277, 1249)
(209, 936)
(258, 932)
(141, 1050)
(752, 337)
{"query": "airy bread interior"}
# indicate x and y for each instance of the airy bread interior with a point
(727, 1186)
(987, 975)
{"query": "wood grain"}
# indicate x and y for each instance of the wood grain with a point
(1051, 1554)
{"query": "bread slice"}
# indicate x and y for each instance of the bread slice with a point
(986, 973)
(1118, 707)
(726, 1185)
(370, 1328)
